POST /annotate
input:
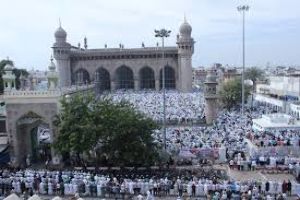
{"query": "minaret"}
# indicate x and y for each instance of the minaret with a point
(52, 76)
(9, 79)
(85, 43)
(210, 95)
(61, 52)
(185, 51)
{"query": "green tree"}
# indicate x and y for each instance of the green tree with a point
(2, 65)
(73, 122)
(254, 74)
(18, 73)
(230, 93)
(115, 131)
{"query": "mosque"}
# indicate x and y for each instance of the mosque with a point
(30, 113)
(126, 68)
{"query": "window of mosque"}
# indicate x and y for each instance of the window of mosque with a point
(124, 78)
(147, 80)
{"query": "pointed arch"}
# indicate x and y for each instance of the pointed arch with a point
(102, 79)
(33, 135)
(82, 76)
(170, 81)
(124, 78)
(147, 79)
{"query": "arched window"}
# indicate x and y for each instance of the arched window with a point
(102, 79)
(147, 80)
(82, 77)
(124, 78)
(170, 82)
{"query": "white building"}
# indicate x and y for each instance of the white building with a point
(280, 92)
(275, 121)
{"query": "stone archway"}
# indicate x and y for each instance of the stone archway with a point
(102, 79)
(82, 76)
(33, 139)
(170, 80)
(147, 78)
(124, 78)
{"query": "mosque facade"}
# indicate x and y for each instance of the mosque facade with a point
(30, 114)
(126, 68)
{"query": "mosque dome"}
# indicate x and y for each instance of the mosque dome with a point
(60, 33)
(52, 66)
(185, 29)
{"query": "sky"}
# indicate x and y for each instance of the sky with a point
(272, 28)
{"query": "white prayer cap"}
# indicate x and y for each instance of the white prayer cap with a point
(34, 197)
(76, 195)
(57, 198)
(13, 196)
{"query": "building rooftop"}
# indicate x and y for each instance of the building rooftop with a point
(142, 50)
(277, 121)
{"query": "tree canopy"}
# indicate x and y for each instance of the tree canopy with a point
(115, 132)
(254, 74)
(230, 93)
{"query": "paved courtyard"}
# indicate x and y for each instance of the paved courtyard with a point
(257, 175)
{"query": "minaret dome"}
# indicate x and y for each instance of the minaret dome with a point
(185, 29)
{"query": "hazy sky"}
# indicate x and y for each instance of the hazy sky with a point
(272, 28)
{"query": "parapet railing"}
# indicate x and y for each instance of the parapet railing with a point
(47, 93)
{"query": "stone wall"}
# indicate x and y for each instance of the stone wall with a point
(15, 111)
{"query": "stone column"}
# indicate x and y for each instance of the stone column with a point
(112, 85)
(55, 155)
(157, 84)
(210, 110)
(14, 145)
(136, 84)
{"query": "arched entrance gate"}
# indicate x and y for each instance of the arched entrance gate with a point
(33, 138)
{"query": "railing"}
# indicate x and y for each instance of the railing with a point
(47, 93)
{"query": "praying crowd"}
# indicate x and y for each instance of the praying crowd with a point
(180, 107)
(148, 184)
(112, 183)
(231, 139)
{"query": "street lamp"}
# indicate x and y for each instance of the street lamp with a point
(243, 9)
(163, 33)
